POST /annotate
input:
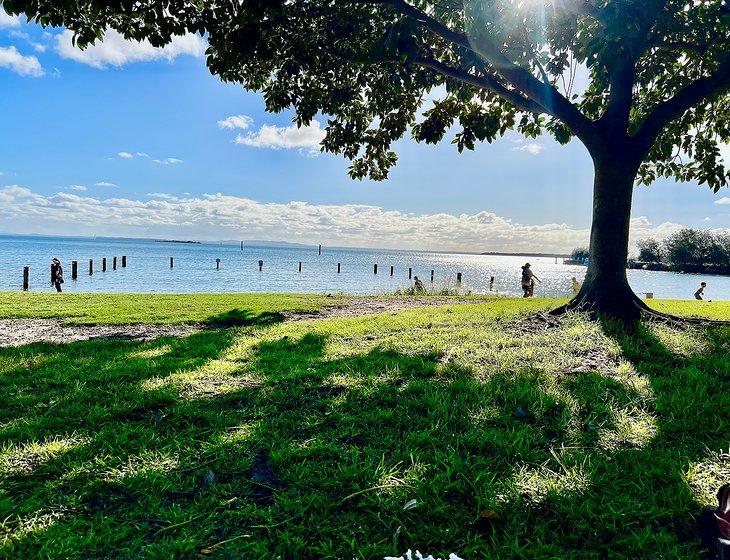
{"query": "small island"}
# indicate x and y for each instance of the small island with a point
(176, 241)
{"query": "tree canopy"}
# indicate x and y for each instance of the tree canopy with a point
(659, 69)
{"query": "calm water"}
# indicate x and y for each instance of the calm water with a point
(148, 269)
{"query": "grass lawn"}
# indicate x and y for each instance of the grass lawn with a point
(99, 308)
(312, 439)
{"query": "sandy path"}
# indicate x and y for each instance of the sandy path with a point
(18, 332)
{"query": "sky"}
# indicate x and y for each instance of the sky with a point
(124, 139)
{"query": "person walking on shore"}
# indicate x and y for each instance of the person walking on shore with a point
(528, 281)
(418, 285)
(575, 285)
(700, 291)
(56, 274)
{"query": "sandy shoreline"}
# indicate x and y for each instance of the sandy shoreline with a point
(19, 332)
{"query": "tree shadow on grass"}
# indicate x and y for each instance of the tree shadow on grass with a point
(300, 452)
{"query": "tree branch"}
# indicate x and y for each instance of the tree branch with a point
(549, 98)
(482, 82)
(665, 112)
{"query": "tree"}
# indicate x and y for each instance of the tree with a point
(657, 103)
(649, 250)
(580, 254)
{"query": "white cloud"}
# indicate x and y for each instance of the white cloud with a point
(218, 216)
(268, 136)
(125, 155)
(116, 51)
(39, 47)
(142, 154)
(168, 161)
(80, 188)
(8, 20)
(104, 184)
(531, 148)
(236, 121)
(23, 65)
(723, 200)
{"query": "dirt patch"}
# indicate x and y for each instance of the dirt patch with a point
(18, 332)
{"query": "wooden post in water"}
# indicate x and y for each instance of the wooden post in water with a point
(26, 278)
(261, 265)
(458, 277)
(338, 268)
(91, 267)
(74, 270)
(300, 266)
(124, 261)
(114, 263)
(410, 273)
(391, 270)
(491, 283)
(319, 251)
(103, 264)
(375, 269)
(241, 245)
(432, 277)
(217, 264)
(172, 263)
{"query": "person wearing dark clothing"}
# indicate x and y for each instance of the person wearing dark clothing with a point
(528, 281)
(56, 274)
(700, 291)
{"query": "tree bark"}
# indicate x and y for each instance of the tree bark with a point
(605, 290)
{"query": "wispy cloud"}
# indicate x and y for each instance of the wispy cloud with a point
(242, 122)
(11, 58)
(531, 148)
(168, 161)
(306, 138)
(159, 161)
(125, 155)
(8, 20)
(116, 51)
(104, 184)
(723, 200)
(80, 188)
(216, 216)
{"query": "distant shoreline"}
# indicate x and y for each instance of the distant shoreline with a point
(177, 241)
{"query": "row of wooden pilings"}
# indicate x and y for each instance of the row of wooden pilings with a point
(75, 270)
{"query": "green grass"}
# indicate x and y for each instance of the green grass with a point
(708, 309)
(306, 440)
(99, 308)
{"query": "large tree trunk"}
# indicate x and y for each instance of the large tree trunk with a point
(606, 290)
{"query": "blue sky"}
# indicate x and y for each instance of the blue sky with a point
(67, 117)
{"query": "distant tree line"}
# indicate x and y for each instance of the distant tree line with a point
(688, 250)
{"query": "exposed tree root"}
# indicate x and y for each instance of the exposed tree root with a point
(632, 312)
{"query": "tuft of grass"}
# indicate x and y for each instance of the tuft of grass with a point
(312, 439)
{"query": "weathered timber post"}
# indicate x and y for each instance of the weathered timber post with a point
(26, 278)
(338, 268)
(458, 277)
(491, 283)
(391, 270)
(103, 264)
(91, 267)
(74, 270)
(410, 273)
(300, 266)
(124, 261)
(432, 277)
(241, 245)
(261, 265)
(217, 264)
(172, 263)
(114, 263)
(319, 251)
(375, 269)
